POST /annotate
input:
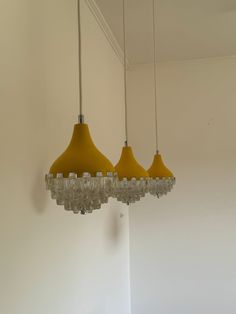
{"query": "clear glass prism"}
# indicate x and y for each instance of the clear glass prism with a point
(129, 191)
(80, 194)
(160, 186)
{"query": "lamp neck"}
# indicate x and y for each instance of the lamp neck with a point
(81, 119)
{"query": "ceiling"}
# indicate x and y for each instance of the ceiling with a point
(186, 29)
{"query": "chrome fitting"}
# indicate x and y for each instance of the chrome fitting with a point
(81, 119)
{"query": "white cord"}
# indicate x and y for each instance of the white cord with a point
(125, 77)
(79, 58)
(155, 72)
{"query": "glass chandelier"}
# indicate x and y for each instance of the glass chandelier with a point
(131, 184)
(82, 178)
(162, 179)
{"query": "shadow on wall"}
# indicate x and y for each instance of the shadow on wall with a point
(45, 96)
(114, 225)
(39, 195)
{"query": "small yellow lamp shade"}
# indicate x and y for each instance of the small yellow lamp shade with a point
(158, 168)
(81, 156)
(128, 167)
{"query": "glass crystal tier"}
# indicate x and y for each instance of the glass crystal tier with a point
(129, 191)
(160, 186)
(80, 194)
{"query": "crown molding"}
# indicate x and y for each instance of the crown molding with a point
(93, 7)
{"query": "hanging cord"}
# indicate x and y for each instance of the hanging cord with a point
(81, 119)
(155, 70)
(125, 78)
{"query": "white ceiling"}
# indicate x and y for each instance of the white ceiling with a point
(187, 29)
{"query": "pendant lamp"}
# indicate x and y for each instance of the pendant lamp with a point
(162, 179)
(132, 177)
(82, 178)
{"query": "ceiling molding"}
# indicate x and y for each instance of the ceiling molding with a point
(93, 7)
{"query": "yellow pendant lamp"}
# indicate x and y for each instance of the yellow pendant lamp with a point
(131, 184)
(162, 179)
(82, 178)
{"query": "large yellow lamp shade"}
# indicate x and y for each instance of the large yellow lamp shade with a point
(82, 156)
(158, 168)
(128, 167)
(162, 179)
(82, 178)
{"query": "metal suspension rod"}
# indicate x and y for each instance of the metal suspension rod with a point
(80, 64)
(155, 71)
(125, 77)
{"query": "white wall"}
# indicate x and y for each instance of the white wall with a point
(53, 261)
(183, 246)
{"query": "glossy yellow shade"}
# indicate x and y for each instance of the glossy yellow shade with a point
(158, 168)
(128, 167)
(81, 156)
